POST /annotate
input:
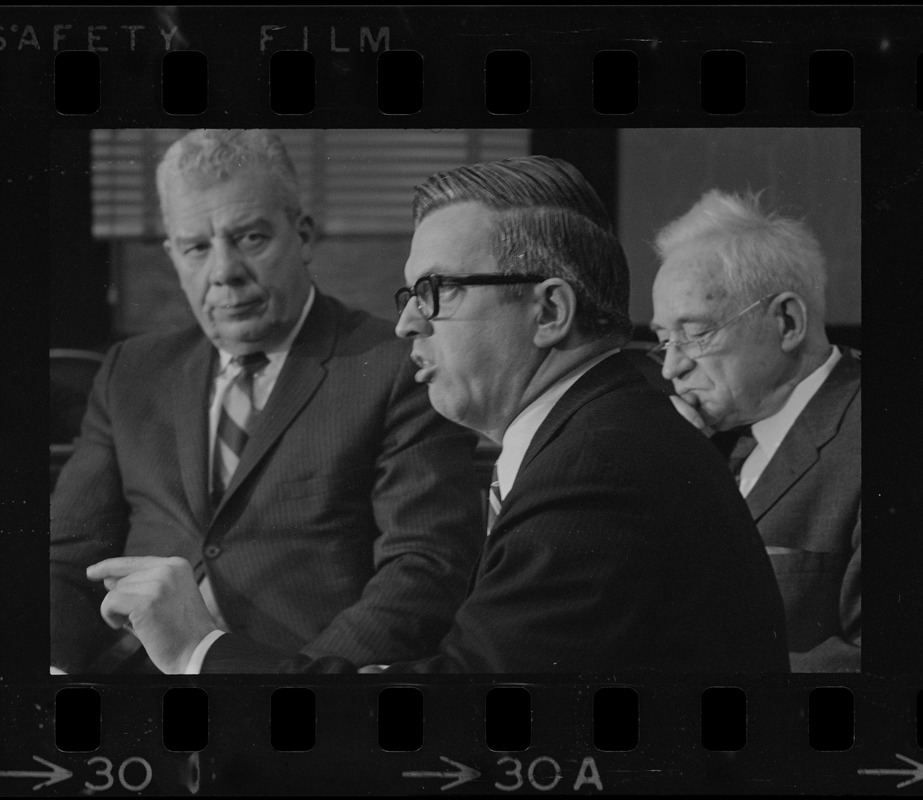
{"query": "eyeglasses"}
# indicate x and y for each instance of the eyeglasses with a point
(696, 346)
(428, 289)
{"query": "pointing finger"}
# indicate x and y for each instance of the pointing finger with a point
(127, 565)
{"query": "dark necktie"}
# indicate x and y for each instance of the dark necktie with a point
(735, 445)
(235, 422)
(493, 501)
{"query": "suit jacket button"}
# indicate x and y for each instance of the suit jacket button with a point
(212, 551)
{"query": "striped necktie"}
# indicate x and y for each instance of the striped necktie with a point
(493, 501)
(235, 421)
(735, 445)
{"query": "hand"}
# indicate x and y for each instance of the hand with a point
(158, 599)
(690, 414)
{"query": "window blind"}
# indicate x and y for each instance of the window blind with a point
(354, 182)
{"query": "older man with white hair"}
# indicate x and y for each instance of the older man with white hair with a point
(739, 311)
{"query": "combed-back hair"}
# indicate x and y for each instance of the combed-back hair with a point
(560, 243)
(760, 252)
(512, 183)
(205, 157)
(548, 221)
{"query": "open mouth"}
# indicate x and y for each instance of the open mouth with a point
(426, 371)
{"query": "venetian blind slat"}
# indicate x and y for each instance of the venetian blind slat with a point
(354, 182)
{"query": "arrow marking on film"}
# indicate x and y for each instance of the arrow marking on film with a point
(917, 773)
(464, 774)
(57, 774)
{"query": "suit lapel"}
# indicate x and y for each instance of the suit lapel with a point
(610, 373)
(302, 374)
(815, 426)
(613, 372)
(190, 410)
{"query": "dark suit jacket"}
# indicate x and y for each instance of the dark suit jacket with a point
(623, 545)
(808, 507)
(349, 528)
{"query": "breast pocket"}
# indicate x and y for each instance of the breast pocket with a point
(810, 585)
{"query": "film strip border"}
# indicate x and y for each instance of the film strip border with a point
(596, 67)
(452, 67)
(830, 79)
(529, 738)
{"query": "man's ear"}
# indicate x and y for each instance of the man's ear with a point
(308, 235)
(790, 314)
(557, 312)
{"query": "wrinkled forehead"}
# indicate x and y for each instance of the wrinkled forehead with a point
(250, 187)
(689, 285)
(455, 239)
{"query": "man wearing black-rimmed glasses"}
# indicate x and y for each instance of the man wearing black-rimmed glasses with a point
(618, 545)
(739, 311)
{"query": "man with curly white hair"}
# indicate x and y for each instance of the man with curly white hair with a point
(739, 310)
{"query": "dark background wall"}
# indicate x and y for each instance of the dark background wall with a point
(806, 173)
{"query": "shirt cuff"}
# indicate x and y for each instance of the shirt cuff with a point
(194, 667)
(372, 669)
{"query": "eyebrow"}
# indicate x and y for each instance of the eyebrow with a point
(255, 222)
(183, 241)
(435, 269)
(234, 230)
(683, 321)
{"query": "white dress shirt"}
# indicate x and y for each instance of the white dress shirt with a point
(263, 383)
(770, 432)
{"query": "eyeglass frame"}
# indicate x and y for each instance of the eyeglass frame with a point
(703, 340)
(436, 282)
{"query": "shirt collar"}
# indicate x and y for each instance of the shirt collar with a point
(770, 432)
(277, 354)
(522, 429)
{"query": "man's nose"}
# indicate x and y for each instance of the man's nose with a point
(226, 265)
(411, 323)
(675, 363)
